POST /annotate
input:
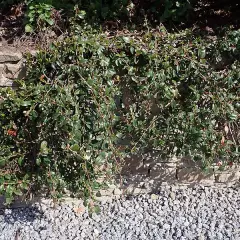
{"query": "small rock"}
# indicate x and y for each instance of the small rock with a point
(172, 195)
(166, 226)
(154, 196)
(117, 191)
(201, 237)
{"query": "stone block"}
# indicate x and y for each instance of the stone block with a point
(14, 71)
(160, 173)
(134, 180)
(164, 165)
(11, 71)
(134, 191)
(2, 67)
(106, 192)
(225, 177)
(154, 157)
(195, 175)
(5, 82)
(134, 165)
(117, 191)
(9, 54)
(187, 162)
(226, 169)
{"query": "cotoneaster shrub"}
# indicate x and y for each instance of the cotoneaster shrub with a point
(62, 128)
(176, 98)
(57, 129)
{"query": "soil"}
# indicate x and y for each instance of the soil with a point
(216, 14)
(12, 31)
(208, 15)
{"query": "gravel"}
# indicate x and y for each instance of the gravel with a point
(192, 213)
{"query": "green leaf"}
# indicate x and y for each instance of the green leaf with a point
(18, 192)
(201, 53)
(85, 203)
(46, 160)
(126, 39)
(7, 176)
(24, 186)
(44, 148)
(26, 177)
(38, 161)
(49, 21)
(132, 50)
(75, 148)
(9, 200)
(99, 137)
(31, 7)
(26, 103)
(20, 161)
(82, 14)
(2, 162)
(28, 28)
(95, 185)
(233, 116)
(44, 144)
(97, 209)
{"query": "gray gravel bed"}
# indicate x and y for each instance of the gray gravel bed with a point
(192, 213)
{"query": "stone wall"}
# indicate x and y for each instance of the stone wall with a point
(143, 173)
(148, 172)
(11, 65)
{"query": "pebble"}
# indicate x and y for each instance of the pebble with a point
(172, 195)
(182, 214)
(154, 196)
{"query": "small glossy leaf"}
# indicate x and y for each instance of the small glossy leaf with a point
(75, 148)
(28, 28)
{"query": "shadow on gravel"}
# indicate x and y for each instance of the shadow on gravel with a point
(24, 215)
(19, 211)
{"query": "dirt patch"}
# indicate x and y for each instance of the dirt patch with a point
(12, 31)
(207, 15)
(216, 14)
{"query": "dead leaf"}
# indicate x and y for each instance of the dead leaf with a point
(223, 140)
(79, 210)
